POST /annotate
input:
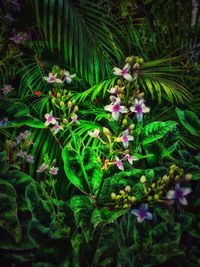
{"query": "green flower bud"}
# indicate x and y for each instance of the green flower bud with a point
(113, 196)
(136, 66)
(140, 61)
(188, 177)
(153, 185)
(149, 198)
(129, 60)
(53, 101)
(122, 192)
(127, 189)
(58, 95)
(118, 197)
(75, 108)
(143, 179)
(65, 121)
(106, 131)
(124, 122)
(70, 104)
(156, 196)
(177, 178)
(62, 104)
(132, 126)
(133, 199)
(125, 206)
(119, 82)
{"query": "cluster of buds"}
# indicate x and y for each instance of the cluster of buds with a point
(157, 190)
(17, 148)
(123, 199)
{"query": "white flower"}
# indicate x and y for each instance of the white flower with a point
(57, 128)
(123, 72)
(95, 133)
(115, 108)
(52, 78)
(139, 108)
(126, 138)
(53, 170)
(7, 89)
(42, 168)
(68, 77)
(49, 119)
(119, 163)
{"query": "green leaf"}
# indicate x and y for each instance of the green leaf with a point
(28, 121)
(190, 121)
(157, 130)
(82, 168)
(40, 227)
(104, 215)
(83, 206)
(8, 210)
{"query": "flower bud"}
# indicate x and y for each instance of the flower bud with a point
(75, 108)
(129, 60)
(188, 177)
(153, 185)
(177, 178)
(136, 66)
(149, 198)
(140, 61)
(127, 189)
(124, 122)
(113, 196)
(119, 82)
(62, 104)
(132, 126)
(118, 197)
(65, 121)
(133, 199)
(125, 206)
(165, 178)
(106, 131)
(70, 104)
(53, 101)
(143, 179)
(50, 93)
(58, 95)
(122, 192)
(156, 197)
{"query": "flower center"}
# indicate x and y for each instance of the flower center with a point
(116, 108)
(138, 109)
(124, 71)
(125, 138)
(142, 214)
(50, 118)
(178, 193)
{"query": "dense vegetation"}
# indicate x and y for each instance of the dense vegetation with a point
(99, 126)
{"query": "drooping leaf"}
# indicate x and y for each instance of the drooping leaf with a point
(8, 209)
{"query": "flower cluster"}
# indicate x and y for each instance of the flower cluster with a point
(123, 199)
(48, 166)
(167, 190)
(7, 89)
(17, 148)
(20, 37)
(59, 76)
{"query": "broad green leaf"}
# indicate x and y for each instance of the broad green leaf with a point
(83, 169)
(190, 121)
(27, 120)
(8, 209)
(83, 206)
(40, 227)
(104, 215)
(157, 130)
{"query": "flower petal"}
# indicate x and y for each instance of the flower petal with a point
(186, 191)
(117, 71)
(115, 115)
(139, 116)
(170, 194)
(183, 201)
(108, 108)
(128, 77)
(149, 216)
(123, 109)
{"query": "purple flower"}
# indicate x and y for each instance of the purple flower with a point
(126, 138)
(30, 158)
(53, 170)
(115, 108)
(17, 37)
(123, 72)
(178, 194)
(139, 108)
(119, 163)
(116, 90)
(142, 213)
(21, 154)
(57, 128)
